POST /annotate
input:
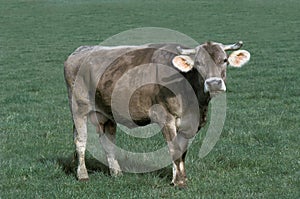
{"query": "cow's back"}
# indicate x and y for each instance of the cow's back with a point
(97, 69)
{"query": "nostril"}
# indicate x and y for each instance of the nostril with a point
(214, 84)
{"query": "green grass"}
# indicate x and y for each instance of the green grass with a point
(258, 155)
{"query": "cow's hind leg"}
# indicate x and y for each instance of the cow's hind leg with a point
(80, 139)
(108, 140)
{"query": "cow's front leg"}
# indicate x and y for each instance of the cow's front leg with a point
(177, 147)
(178, 150)
(80, 139)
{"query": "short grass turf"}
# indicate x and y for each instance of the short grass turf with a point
(258, 153)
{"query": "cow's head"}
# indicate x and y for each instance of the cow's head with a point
(211, 61)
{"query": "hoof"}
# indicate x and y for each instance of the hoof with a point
(82, 174)
(179, 185)
(114, 167)
(116, 173)
(83, 179)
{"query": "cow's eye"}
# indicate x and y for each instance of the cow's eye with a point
(225, 60)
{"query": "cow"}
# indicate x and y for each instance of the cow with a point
(92, 74)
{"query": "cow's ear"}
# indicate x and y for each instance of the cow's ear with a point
(183, 63)
(238, 58)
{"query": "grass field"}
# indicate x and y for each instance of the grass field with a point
(258, 155)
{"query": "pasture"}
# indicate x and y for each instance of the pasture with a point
(258, 154)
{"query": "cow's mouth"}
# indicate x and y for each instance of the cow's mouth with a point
(215, 93)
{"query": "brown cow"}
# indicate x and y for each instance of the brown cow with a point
(180, 81)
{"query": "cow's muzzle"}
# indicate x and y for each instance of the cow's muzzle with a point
(214, 85)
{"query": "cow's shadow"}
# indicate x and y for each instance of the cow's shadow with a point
(69, 166)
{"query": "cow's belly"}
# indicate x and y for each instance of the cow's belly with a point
(130, 110)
